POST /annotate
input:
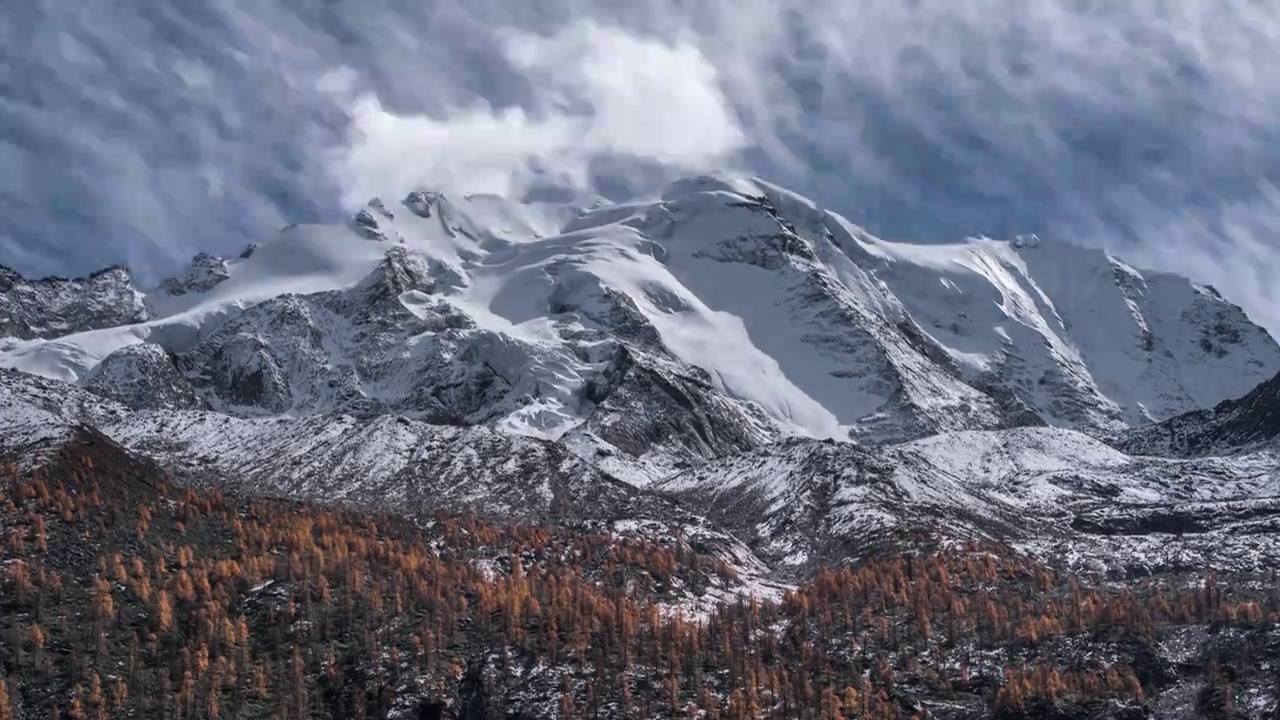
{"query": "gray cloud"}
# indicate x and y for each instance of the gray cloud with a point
(1149, 127)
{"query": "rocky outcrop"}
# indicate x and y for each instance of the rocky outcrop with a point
(142, 377)
(205, 273)
(54, 306)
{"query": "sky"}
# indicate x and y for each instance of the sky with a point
(150, 131)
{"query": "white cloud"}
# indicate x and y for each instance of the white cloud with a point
(597, 90)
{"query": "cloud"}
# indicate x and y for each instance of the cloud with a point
(1151, 127)
(597, 91)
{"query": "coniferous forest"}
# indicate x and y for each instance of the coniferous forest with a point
(123, 595)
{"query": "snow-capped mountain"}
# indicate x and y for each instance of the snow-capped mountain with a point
(752, 305)
(728, 346)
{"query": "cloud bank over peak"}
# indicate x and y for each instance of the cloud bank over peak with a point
(1150, 127)
(596, 91)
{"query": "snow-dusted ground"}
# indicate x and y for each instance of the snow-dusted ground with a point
(34, 409)
(1055, 493)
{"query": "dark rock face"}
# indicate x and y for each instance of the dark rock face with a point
(143, 377)
(52, 307)
(243, 372)
(205, 273)
(366, 225)
(644, 402)
(612, 311)
(420, 202)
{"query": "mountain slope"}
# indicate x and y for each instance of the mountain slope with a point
(39, 410)
(1233, 426)
(1085, 339)
(1057, 494)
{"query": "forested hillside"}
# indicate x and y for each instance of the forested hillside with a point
(124, 596)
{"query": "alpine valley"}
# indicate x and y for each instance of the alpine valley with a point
(763, 463)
